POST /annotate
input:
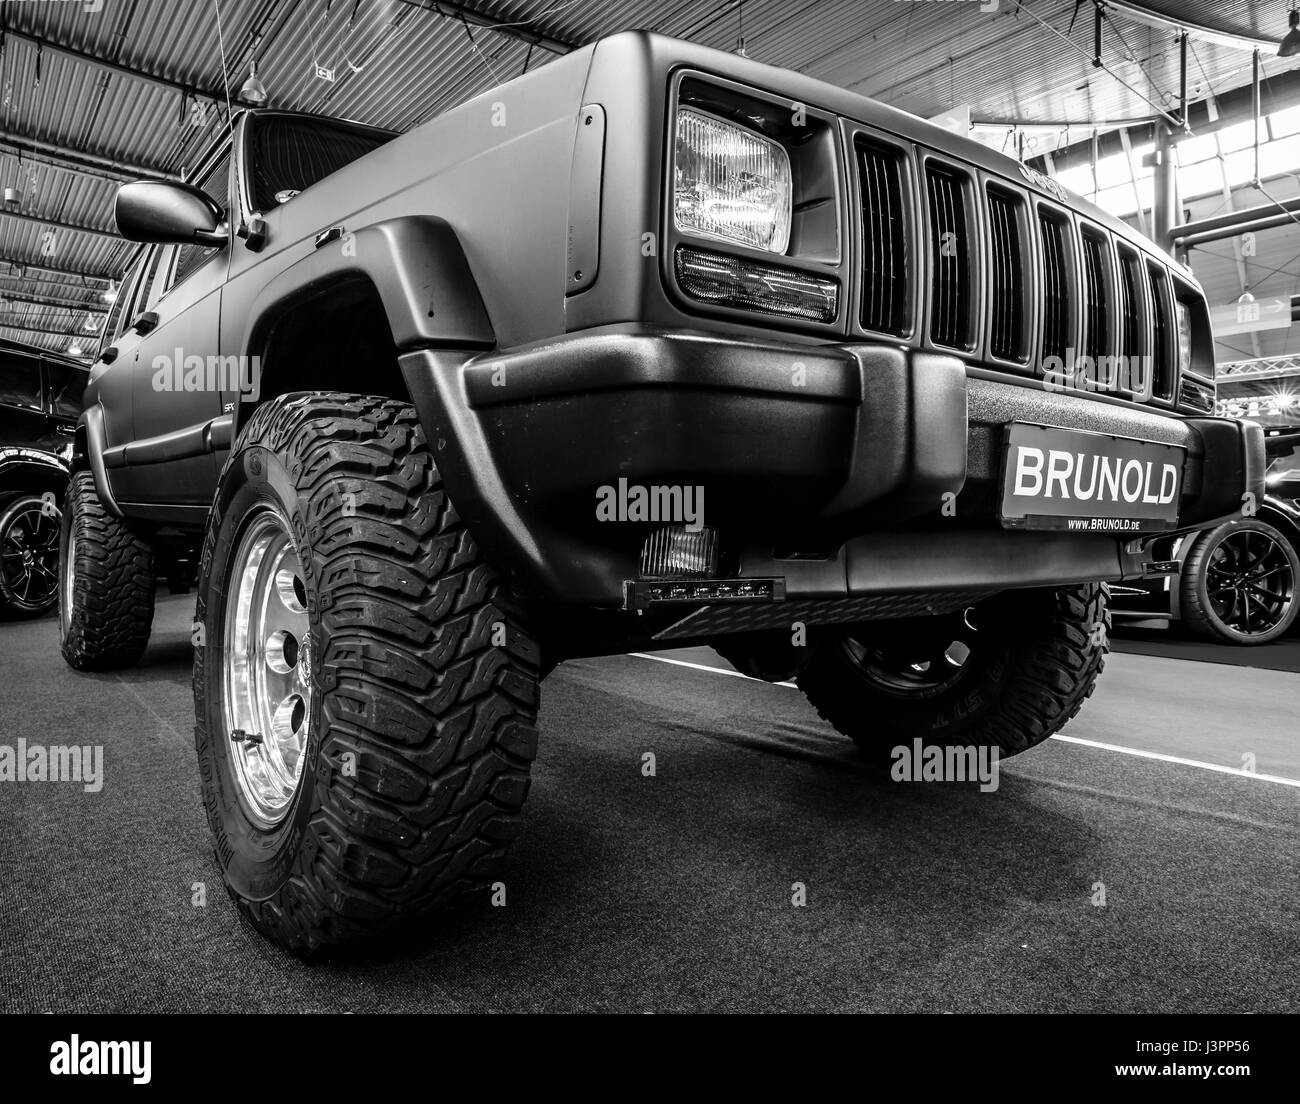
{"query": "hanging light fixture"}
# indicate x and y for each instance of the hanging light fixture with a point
(109, 294)
(253, 91)
(1291, 44)
(74, 350)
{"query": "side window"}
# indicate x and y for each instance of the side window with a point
(142, 300)
(20, 381)
(190, 258)
(116, 313)
(64, 387)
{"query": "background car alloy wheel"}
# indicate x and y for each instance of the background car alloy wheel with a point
(1239, 583)
(29, 556)
(267, 690)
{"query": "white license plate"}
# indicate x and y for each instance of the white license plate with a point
(1087, 482)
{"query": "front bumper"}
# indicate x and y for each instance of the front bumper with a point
(846, 470)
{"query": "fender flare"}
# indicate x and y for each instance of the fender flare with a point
(92, 424)
(417, 266)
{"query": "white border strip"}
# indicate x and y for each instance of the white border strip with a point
(1156, 755)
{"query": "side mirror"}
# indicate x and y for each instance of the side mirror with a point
(159, 211)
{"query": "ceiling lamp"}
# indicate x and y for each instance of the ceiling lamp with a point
(12, 198)
(109, 294)
(1291, 44)
(74, 350)
(253, 91)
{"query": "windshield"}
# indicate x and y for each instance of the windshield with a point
(291, 153)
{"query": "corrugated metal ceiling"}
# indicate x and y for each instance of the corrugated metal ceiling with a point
(398, 62)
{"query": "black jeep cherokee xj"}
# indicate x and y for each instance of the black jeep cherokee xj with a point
(650, 347)
(40, 401)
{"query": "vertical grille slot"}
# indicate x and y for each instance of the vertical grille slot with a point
(1058, 324)
(1008, 334)
(950, 280)
(1132, 328)
(885, 307)
(1096, 331)
(1163, 350)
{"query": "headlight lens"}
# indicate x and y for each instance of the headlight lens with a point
(1184, 338)
(730, 183)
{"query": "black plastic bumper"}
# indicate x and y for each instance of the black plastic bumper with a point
(827, 465)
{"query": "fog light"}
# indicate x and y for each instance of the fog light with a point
(749, 285)
(676, 552)
(639, 595)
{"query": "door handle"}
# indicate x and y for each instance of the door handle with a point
(64, 430)
(145, 322)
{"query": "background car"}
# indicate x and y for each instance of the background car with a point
(40, 401)
(1235, 583)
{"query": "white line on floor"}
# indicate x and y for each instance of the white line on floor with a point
(1159, 756)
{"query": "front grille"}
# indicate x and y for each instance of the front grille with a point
(885, 307)
(1007, 261)
(1041, 281)
(950, 275)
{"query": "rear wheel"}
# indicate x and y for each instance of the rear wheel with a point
(1007, 673)
(367, 689)
(106, 583)
(1238, 583)
(29, 555)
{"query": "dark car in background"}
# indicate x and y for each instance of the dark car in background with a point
(40, 401)
(1235, 583)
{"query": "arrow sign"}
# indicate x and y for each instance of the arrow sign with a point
(1251, 316)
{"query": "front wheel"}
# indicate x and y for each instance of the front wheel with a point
(1005, 674)
(366, 687)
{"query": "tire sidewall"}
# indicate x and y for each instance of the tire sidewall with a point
(1200, 582)
(256, 861)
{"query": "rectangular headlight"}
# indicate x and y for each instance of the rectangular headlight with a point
(730, 183)
(1184, 337)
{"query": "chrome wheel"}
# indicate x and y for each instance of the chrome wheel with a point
(1249, 581)
(69, 575)
(29, 555)
(266, 686)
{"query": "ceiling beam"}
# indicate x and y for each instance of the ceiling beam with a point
(30, 267)
(96, 307)
(104, 65)
(84, 164)
(1217, 227)
(1140, 14)
(55, 224)
(7, 325)
(457, 11)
